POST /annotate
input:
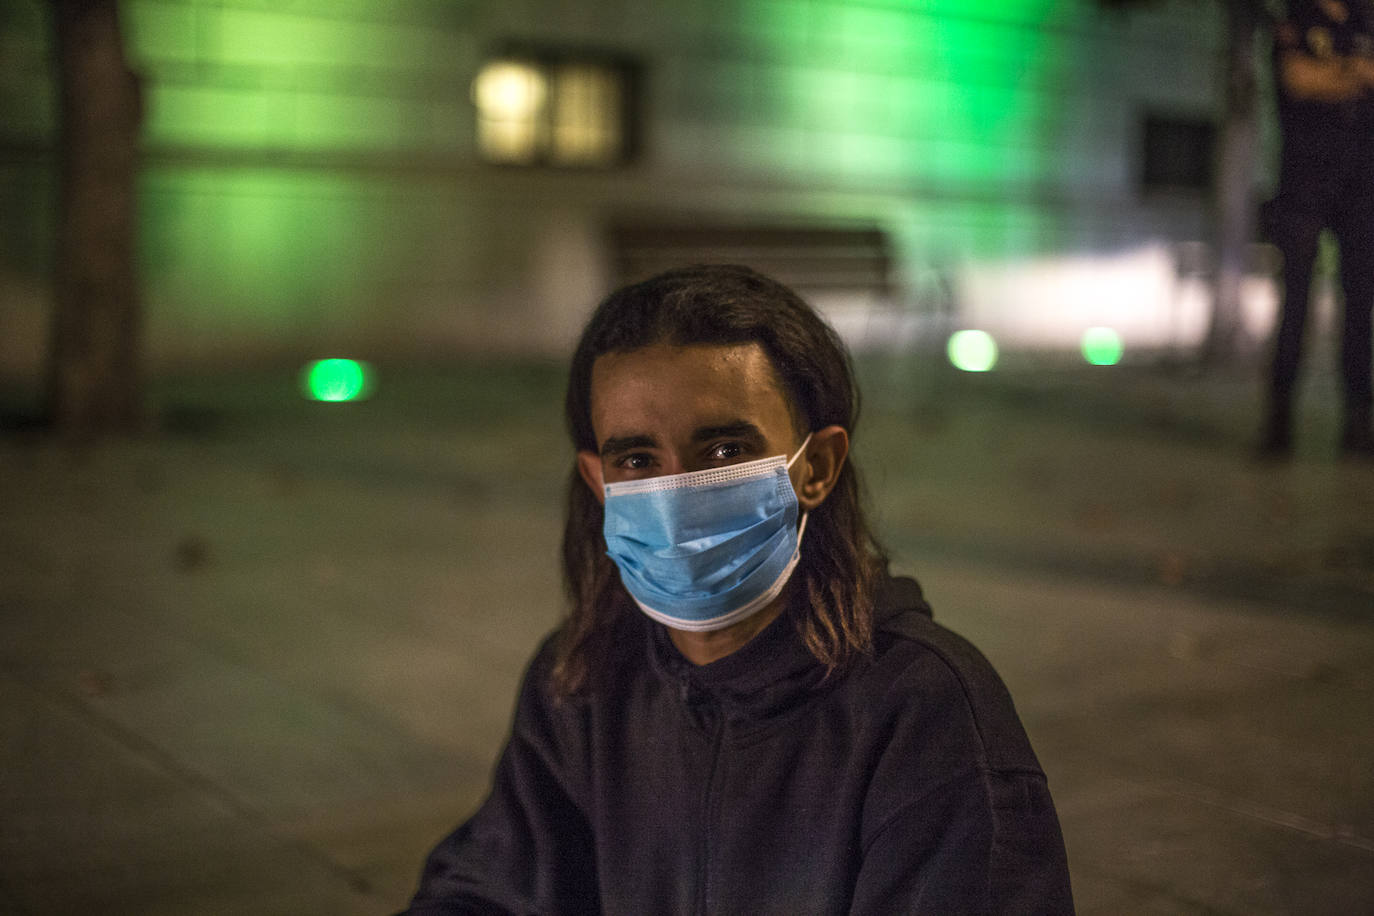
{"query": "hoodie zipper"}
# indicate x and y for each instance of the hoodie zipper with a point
(708, 807)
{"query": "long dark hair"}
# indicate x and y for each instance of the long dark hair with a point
(723, 305)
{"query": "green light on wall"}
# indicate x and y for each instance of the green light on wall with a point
(972, 351)
(1102, 346)
(955, 96)
(337, 380)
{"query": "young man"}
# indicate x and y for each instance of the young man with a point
(743, 713)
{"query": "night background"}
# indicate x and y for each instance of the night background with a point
(286, 294)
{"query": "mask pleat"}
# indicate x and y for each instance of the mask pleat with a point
(701, 554)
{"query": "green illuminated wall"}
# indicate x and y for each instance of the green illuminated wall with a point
(930, 94)
(311, 180)
(301, 76)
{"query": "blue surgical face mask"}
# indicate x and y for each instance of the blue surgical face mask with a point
(703, 550)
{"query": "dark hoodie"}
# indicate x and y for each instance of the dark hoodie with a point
(755, 785)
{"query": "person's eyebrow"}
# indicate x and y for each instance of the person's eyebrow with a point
(735, 429)
(617, 445)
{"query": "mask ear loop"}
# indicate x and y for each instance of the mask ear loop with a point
(801, 529)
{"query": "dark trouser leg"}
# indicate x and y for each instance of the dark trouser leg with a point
(1355, 351)
(1296, 231)
(1355, 233)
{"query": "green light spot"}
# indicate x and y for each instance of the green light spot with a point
(1102, 346)
(336, 380)
(972, 351)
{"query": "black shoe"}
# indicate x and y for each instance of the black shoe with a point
(1276, 443)
(1357, 439)
(1357, 445)
(1276, 440)
(1274, 450)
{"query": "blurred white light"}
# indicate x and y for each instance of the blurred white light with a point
(509, 91)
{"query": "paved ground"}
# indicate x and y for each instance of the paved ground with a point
(260, 662)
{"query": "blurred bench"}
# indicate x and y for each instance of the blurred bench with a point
(816, 261)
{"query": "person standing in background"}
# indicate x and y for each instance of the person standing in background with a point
(1324, 69)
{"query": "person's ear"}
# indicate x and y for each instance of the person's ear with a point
(589, 466)
(821, 464)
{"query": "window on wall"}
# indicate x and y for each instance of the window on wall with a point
(1178, 153)
(561, 108)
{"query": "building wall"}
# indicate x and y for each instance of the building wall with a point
(311, 183)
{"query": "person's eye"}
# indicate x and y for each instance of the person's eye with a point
(727, 451)
(636, 461)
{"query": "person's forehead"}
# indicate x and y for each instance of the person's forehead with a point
(725, 375)
(657, 358)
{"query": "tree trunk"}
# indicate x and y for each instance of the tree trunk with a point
(94, 368)
(1235, 204)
